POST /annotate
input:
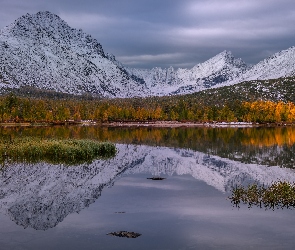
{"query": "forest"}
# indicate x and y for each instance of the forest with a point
(169, 108)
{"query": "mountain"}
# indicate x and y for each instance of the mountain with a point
(281, 64)
(42, 195)
(281, 89)
(41, 51)
(219, 69)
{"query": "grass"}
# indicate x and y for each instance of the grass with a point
(57, 151)
(280, 194)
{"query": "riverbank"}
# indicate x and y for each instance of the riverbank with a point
(175, 124)
(159, 124)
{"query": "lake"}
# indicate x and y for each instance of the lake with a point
(46, 206)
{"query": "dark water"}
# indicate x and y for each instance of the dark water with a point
(46, 206)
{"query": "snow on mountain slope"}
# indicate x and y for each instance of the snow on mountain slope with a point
(281, 64)
(42, 195)
(41, 50)
(221, 68)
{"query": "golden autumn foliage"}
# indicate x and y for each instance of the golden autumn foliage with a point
(17, 109)
(267, 111)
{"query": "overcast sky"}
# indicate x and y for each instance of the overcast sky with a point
(178, 33)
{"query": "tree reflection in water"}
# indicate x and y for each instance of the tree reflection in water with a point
(278, 195)
(272, 146)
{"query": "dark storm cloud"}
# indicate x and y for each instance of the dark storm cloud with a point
(148, 33)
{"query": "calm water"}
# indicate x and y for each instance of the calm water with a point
(45, 206)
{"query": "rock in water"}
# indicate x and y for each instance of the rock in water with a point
(125, 234)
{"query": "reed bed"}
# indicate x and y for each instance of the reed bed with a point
(280, 194)
(57, 151)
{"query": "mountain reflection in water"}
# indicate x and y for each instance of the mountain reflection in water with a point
(42, 195)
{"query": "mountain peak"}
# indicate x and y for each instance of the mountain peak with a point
(70, 60)
(227, 57)
(225, 53)
(43, 21)
(41, 15)
(46, 13)
(222, 60)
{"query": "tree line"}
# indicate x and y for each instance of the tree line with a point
(22, 109)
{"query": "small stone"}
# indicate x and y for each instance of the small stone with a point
(125, 234)
(156, 178)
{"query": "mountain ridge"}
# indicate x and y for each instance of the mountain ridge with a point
(41, 50)
(220, 68)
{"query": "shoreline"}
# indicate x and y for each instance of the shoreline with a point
(158, 124)
(176, 124)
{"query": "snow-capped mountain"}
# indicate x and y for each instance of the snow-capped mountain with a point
(281, 64)
(43, 51)
(41, 195)
(219, 69)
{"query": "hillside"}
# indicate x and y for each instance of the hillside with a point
(275, 90)
(43, 52)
